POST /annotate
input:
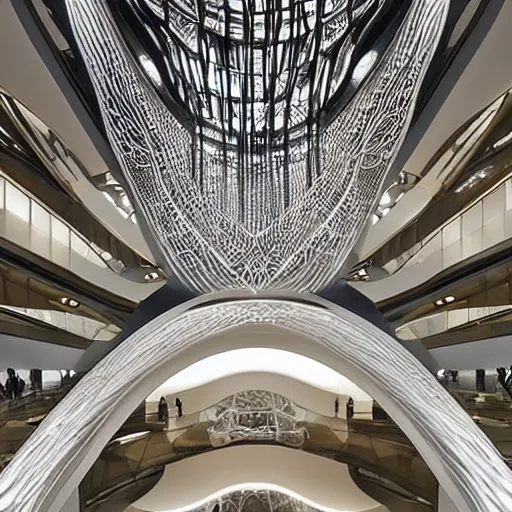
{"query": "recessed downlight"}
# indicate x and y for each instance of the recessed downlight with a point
(151, 276)
(447, 300)
(106, 256)
(72, 303)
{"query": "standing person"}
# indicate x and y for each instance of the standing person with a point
(163, 411)
(502, 376)
(179, 407)
(12, 384)
(2, 391)
(336, 407)
(350, 408)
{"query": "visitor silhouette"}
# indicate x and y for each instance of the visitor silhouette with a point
(179, 406)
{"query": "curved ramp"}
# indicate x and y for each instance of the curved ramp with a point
(319, 482)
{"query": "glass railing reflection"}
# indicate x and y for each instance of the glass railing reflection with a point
(373, 446)
(26, 397)
(258, 417)
(16, 383)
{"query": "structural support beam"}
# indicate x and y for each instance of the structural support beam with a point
(73, 503)
(49, 467)
(445, 504)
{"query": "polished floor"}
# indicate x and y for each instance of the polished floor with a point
(380, 457)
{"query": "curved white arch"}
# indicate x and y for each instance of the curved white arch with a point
(318, 481)
(268, 360)
(51, 464)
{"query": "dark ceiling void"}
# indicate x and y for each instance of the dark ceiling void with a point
(168, 296)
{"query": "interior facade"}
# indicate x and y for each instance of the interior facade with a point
(255, 256)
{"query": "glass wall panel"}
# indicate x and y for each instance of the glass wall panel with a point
(17, 202)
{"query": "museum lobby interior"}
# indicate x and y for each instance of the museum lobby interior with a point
(255, 256)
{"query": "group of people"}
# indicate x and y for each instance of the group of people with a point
(349, 407)
(14, 385)
(163, 409)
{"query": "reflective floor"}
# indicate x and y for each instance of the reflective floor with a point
(382, 461)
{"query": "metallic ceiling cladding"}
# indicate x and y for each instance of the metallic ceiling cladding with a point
(262, 188)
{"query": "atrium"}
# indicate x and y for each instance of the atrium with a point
(255, 256)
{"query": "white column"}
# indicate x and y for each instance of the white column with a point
(445, 504)
(73, 503)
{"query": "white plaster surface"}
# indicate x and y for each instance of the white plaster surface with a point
(489, 353)
(257, 359)
(308, 397)
(321, 482)
(24, 353)
(304, 395)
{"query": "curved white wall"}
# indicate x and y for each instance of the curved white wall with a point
(487, 76)
(268, 360)
(320, 482)
(18, 352)
(49, 103)
(304, 395)
(488, 353)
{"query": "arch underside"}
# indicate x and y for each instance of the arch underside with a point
(54, 460)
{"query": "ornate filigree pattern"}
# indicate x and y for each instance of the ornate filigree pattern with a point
(57, 456)
(262, 225)
(256, 500)
(255, 415)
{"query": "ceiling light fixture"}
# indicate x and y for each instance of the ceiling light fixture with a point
(385, 199)
(72, 303)
(151, 276)
(106, 256)
(503, 141)
(476, 178)
(447, 300)
(130, 437)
